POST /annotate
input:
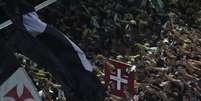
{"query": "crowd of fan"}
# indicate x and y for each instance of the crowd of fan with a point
(173, 73)
(161, 37)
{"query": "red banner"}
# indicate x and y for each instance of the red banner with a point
(118, 79)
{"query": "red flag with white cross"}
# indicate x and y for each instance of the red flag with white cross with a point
(118, 79)
(19, 87)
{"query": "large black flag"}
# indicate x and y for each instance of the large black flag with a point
(52, 49)
(8, 62)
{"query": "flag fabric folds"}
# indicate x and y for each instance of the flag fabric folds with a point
(8, 62)
(73, 59)
(53, 50)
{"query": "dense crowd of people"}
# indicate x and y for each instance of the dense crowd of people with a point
(160, 37)
(173, 73)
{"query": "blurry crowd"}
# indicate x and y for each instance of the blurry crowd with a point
(173, 73)
(162, 38)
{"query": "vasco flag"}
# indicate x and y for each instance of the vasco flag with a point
(70, 63)
(19, 87)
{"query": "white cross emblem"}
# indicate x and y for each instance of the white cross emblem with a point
(119, 79)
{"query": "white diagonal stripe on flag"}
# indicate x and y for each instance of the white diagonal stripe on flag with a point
(37, 8)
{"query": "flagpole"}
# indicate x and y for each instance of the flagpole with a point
(37, 8)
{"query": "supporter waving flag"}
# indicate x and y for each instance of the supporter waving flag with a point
(54, 47)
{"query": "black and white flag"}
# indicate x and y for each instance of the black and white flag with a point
(54, 50)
